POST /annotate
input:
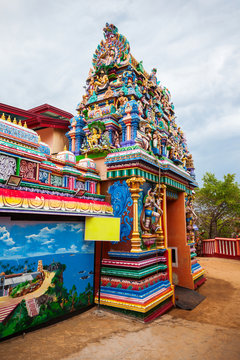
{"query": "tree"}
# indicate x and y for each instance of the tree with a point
(218, 206)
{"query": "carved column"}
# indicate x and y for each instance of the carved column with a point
(164, 216)
(160, 235)
(134, 184)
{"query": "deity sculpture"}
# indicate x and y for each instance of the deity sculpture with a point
(151, 213)
(102, 81)
(116, 139)
(190, 217)
(93, 139)
(108, 56)
(153, 78)
(144, 136)
(91, 86)
(156, 143)
(121, 101)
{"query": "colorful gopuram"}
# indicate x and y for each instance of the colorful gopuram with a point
(126, 158)
(126, 123)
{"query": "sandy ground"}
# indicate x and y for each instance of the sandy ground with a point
(210, 331)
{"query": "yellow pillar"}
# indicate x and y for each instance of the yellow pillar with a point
(159, 232)
(134, 184)
(164, 216)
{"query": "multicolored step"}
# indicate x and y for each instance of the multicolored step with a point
(136, 283)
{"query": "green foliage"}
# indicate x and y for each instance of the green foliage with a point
(218, 206)
(19, 288)
(97, 124)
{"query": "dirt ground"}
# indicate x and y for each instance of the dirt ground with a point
(210, 331)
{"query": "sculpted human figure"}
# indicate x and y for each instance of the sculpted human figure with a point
(108, 56)
(101, 81)
(91, 86)
(93, 139)
(116, 139)
(152, 202)
(121, 101)
(157, 141)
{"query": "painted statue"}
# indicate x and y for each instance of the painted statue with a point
(94, 138)
(152, 211)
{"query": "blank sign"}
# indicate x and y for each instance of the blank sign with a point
(102, 229)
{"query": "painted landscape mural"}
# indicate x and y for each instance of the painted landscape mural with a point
(46, 270)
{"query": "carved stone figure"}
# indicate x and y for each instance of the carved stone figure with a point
(151, 209)
(93, 139)
(102, 81)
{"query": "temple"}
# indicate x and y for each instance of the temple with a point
(127, 158)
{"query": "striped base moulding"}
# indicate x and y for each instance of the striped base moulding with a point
(147, 316)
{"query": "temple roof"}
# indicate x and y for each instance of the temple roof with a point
(39, 117)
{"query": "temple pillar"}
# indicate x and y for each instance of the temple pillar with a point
(134, 184)
(164, 215)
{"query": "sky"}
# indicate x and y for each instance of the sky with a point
(25, 239)
(47, 48)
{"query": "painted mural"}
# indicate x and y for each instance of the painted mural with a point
(46, 271)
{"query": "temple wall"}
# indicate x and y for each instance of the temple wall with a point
(55, 138)
(176, 229)
(43, 277)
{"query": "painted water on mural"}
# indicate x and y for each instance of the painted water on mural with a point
(46, 270)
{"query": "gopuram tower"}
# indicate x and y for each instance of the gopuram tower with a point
(126, 123)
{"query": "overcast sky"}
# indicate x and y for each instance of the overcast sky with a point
(47, 48)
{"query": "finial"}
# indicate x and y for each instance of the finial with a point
(39, 139)
(25, 124)
(3, 117)
(65, 148)
(20, 123)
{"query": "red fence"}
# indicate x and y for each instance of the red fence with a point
(221, 247)
(208, 247)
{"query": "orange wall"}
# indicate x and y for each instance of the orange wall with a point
(55, 138)
(176, 227)
(46, 136)
(101, 167)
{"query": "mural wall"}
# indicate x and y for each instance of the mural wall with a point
(46, 270)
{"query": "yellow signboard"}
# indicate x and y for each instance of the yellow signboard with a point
(102, 228)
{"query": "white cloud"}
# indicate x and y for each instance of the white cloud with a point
(45, 233)
(73, 248)
(194, 45)
(15, 249)
(88, 247)
(5, 236)
(77, 228)
(48, 242)
(61, 250)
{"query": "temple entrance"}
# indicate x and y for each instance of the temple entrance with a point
(176, 229)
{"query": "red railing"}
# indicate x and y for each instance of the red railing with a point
(208, 247)
(221, 247)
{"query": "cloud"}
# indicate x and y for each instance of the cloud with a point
(72, 249)
(61, 250)
(88, 247)
(194, 45)
(45, 233)
(5, 236)
(48, 242)
(77, 228)
(14, 249)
